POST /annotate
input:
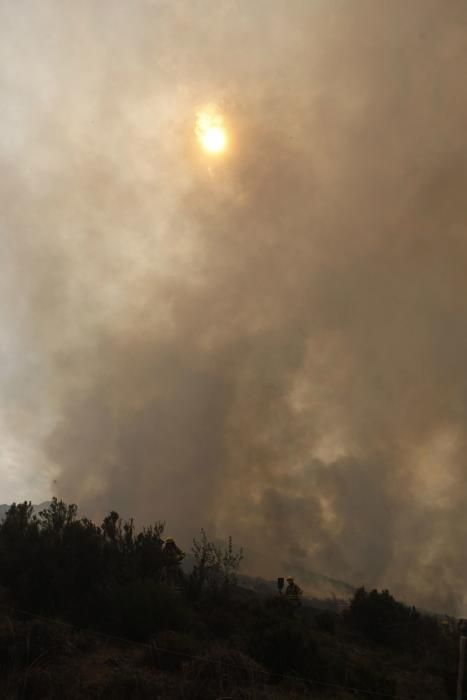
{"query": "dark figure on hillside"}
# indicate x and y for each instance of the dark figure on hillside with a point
(293, 592)
(173, 556)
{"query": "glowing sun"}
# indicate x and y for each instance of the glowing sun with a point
(210, 132)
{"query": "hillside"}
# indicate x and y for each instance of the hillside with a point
(93, 611)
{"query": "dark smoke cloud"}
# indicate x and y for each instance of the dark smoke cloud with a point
(271, 345)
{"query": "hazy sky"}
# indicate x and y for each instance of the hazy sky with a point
(271, 343)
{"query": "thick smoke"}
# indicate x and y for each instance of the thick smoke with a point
(271, 344)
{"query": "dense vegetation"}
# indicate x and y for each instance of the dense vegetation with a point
(227, 640)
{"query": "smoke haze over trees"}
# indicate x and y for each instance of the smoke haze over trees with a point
(272, 344)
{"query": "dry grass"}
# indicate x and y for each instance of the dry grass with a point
(222, 673)
(43, 660)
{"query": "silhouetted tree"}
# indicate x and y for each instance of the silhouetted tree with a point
(215, 567)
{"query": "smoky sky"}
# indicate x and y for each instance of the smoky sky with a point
(270, 344)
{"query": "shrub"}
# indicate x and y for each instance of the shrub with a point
(140, 608)
(221, 672)
(170, 649)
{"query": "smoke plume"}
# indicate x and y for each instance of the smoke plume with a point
(271, 344)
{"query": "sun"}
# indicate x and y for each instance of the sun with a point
(210, 132)
(214, 139)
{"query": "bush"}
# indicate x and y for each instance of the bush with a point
(326, 621)
(215, 568)
(221, 672)
(138, 609)
(280, 639)
(382, 619)
(170, 650)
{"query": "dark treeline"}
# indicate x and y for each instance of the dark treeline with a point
(116, 580)
(123, 581)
